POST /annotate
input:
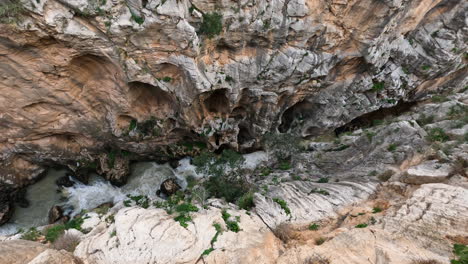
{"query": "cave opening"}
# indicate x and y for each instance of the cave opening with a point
(217, 102)
(367, 120)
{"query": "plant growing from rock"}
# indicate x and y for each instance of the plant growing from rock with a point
(67, 241)
(32, 234)
(314, 227)
(231, 225)
(319, 241)
(361, 226)
(461, 251)
(437, 134)
(10, 11)
(56, 231)
(283, 205)
(212, 24)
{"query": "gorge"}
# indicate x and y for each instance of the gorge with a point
(221, 131)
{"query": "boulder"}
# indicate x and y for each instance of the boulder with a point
(169, 187)
(28, 252)
(64, 181)
(427, 172)
(55, 214)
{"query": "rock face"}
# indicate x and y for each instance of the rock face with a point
(85, 78)
(427, 172)
(169, 187)
(27, 252)
(55, 214)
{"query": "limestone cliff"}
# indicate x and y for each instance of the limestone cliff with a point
(86, 81)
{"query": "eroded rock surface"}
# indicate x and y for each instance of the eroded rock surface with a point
(83, 78)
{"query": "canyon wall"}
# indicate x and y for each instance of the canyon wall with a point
(87, 83)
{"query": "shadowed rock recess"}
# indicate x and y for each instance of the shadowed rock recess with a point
(296, 131)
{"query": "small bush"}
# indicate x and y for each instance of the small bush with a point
(392, 147)
(424, 120)
(233, 226)
(319, 241)
(186, 208)
(425, 67)
(378, 86)
(284, 165)
(461, 251)
(283, 205)
(437, 134)
(323, 180)
(314, 227)
(32, 234)
(167, 79)
(376, 210)
(361, 226)
(67, 242)
(212, 24)
(284, 232)
(54, 232)
(183, 219)
(439, 99)
(246, 201)
(10, 11)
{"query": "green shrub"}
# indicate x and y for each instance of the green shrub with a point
(212, 24)
(54, 232)
(378, 86)
(207, 251)
(314, 227)
(138, 19)
(283, 205)
(186, 208)
(183, 219)
(392, 147)
(425, 67)
(439, 99)
(437, 134)
(361, 226)
(32, 234)
(167, 79)
(376, 210)
(284, 165)
(229, 189)
(461, 251)
(323, 180)
(233, 226)
(10, 11)
(424, 120)
(246, 201)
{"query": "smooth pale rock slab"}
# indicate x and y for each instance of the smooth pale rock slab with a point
(306, 203)
(432, 214)
(358, 246)
(51, 256)
(152, 236)
(427, 172)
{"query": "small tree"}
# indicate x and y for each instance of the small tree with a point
(212, 24)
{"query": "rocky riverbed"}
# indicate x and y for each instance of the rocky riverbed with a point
(265, 131)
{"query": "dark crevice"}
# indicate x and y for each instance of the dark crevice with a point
(367, 120)
(217, 102)
(300, 111)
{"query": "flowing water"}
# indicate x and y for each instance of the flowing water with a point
(145, 179)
